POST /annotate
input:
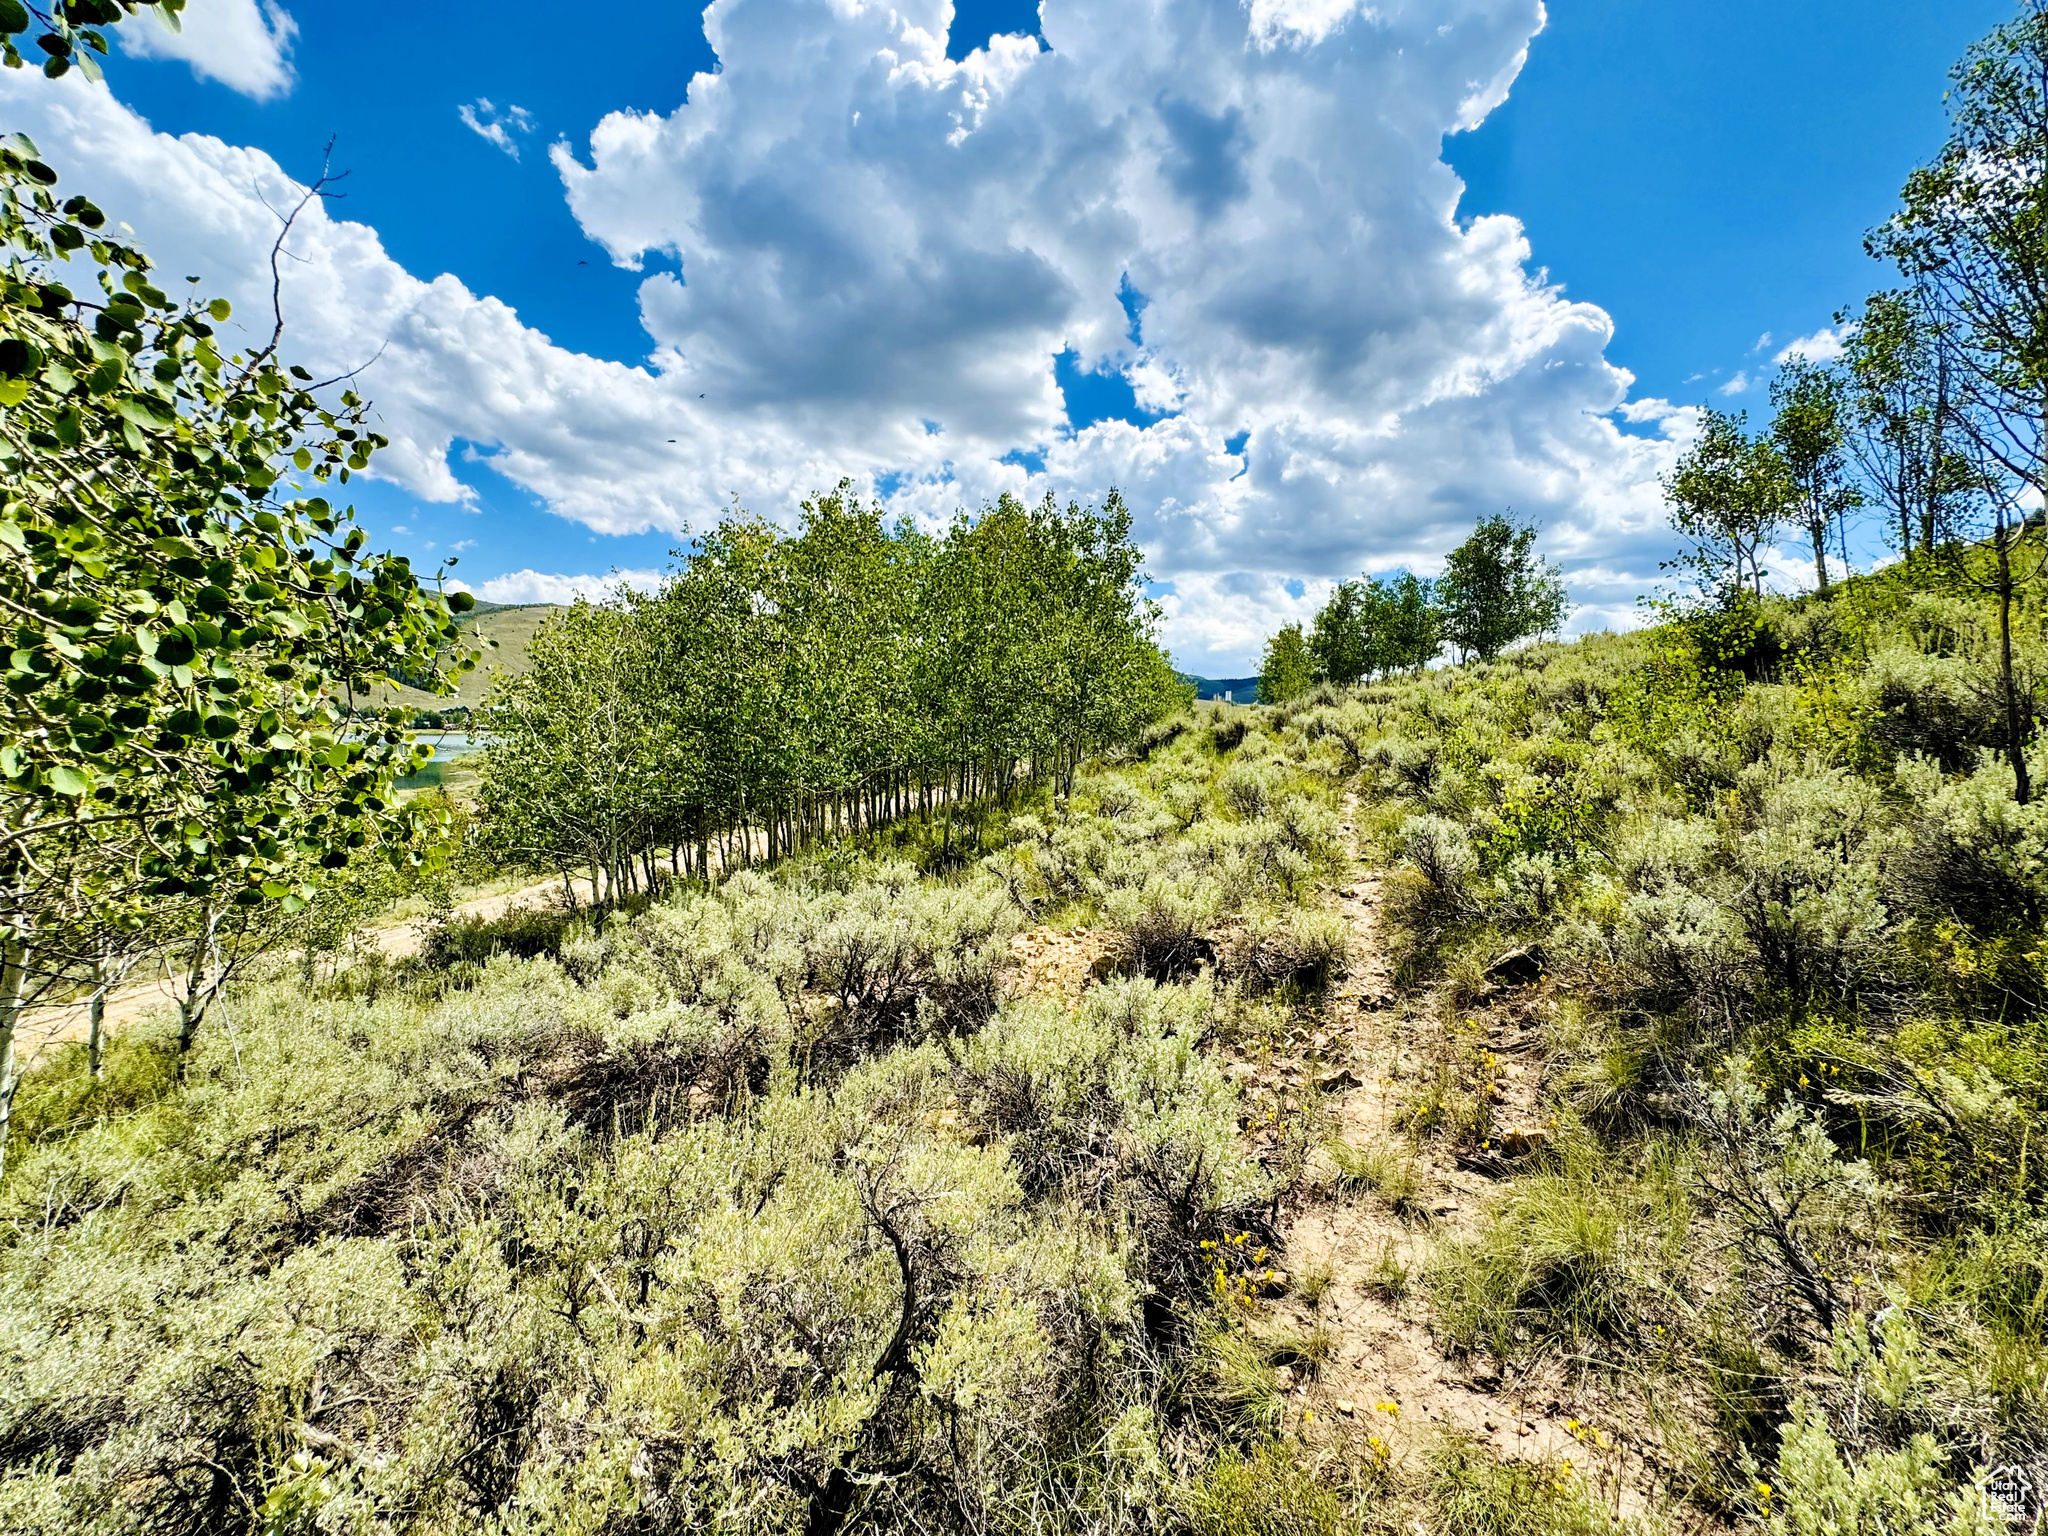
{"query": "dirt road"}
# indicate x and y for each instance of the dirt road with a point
(57, 1023)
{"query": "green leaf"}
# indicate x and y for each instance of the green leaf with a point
(14, 18)
(13, 391)
(144, 411)
(69, 782)
(220, 309)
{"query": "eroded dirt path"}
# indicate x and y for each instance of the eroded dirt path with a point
(1358, 1260)
(1058, 963)
(57, 1023)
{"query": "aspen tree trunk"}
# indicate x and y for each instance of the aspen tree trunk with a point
(1817, 525)
(1930, 495)
(14, 954)
(2015, 744)
(199, 989)
(96, 1017)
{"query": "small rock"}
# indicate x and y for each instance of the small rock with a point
(1518, 967)
(1523, 1143)
(1491, 1427)
(1346, 1407)
(1337, 1081)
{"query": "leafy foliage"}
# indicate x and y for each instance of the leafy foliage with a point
(1372, 627)
(1287, 670)
(72, 31)
(188, 727)
(778, 686)
(1495, 590)
(1809, 431)
(190, 644)
(1729, 493)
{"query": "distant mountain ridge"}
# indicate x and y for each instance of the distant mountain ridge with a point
(1242, 690)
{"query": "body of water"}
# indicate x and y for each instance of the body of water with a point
(448, 744)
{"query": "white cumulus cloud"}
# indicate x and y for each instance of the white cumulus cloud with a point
(1823, 346)
(882, 251)
(588, 436)
(540, 587)
(1269, 179)
(501, 127)
(244, 44)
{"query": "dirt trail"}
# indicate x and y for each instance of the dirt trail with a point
(1057, 962)
(56, 1023)
(1385, 1375)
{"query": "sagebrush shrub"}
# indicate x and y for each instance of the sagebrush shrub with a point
(1816, 1491)
(1946, 708)
(1163, 924)
(508, 1259)
(1304, 947)
(1248, 788)
(1970, 852)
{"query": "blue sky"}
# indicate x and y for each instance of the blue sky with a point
(1705, 174)
(1206, 250)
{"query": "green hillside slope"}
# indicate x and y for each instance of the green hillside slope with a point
(506, 631)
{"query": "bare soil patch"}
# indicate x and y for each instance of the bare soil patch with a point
(1358, 1262)
(1059, 963)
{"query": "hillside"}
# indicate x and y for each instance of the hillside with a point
(504, 631)
(1590, 1094)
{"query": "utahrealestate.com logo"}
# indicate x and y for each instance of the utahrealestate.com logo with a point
(2022, 1494)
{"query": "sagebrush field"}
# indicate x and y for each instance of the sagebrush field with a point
(1650, 1146)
